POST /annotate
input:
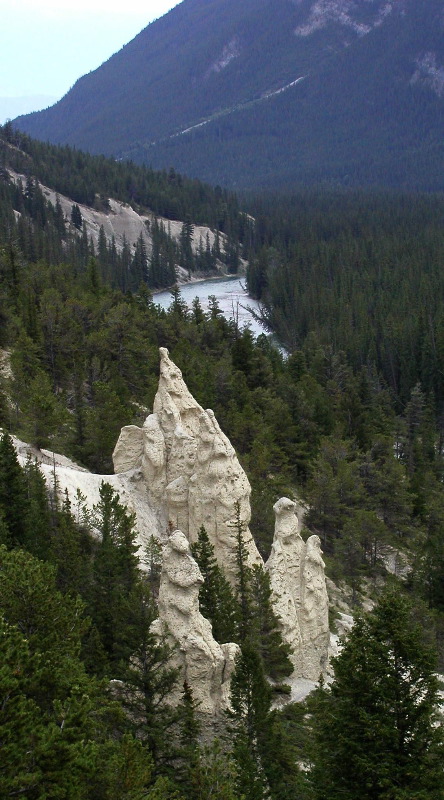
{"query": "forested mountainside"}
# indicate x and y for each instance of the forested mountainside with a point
(140, 225)
(79, 359)
(269, 93)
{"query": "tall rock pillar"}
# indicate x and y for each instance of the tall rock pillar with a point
(300, 598)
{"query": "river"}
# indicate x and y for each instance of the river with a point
(231, 296)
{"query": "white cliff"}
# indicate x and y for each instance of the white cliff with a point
(206, 665)
(189, 468)
(300, 598)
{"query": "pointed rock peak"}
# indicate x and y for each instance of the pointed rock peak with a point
(189, 468)
(172, 383)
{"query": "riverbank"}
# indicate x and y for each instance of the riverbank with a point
(231, 295)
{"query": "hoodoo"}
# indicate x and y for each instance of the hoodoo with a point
(179, 471)
(190, 469)
(193, 477)
(206, 665)
(300, 596)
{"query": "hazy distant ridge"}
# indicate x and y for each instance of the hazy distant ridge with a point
(369, 110)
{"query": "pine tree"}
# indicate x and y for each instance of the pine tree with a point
(273, 651)
(22, 730)
(250, 705)
(188, 756)
(148, 679)
(375, 727)
(216, 599)
(116, 578)
(58, 728)
(186, 249)
(153, 560)
(43, 412)
(257, 624)
(36, 512)
(12, 494)
(243, 578)
(215, 775)
(76, 217)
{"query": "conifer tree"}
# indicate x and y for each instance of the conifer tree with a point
(58, 728)
(250, 705)
(243, 578)
(188, 756)
(12, 493)
(43, 412)
(274, 652)
(116, 577)
(215, 775)
(36, 512)
(148, 679)
(216, 599)
(376, 726)
(76, 217)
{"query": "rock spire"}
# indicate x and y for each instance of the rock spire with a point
(300, 596)
(189, 467)
(206, 665)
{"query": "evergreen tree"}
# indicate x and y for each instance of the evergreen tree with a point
(257, 625)
(250, 705)
(139, 266)
(243, 579)
(148, 679)
(153, 560)
(216, 599)
(76, 216)
(214, 775)
(36, 512)
(12, 494)
(116, 578)
(178, 304)
(273, 651)
(375, 727)
(43, 412)
(58, 728)
(186, 249)
(188, 757)
(428, 573)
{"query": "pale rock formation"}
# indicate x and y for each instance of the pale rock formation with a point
(300, 596)
(179, 470)
(203, 663)
(83, 487)
(189, 467)
(129, 447)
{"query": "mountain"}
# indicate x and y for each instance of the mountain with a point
(270, 93)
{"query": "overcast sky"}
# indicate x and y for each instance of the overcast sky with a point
(45, 45)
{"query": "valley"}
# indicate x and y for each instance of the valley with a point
(222, 413)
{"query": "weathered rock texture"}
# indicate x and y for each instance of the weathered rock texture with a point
(189, 467)
(180, 471)
(300, 597)
(192, 477)
(206, 665)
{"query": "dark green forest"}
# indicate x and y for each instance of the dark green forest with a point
(350, 419)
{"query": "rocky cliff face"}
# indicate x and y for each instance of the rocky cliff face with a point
(300, 596)
(121, 223)
(206, 665)
(189, 467)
